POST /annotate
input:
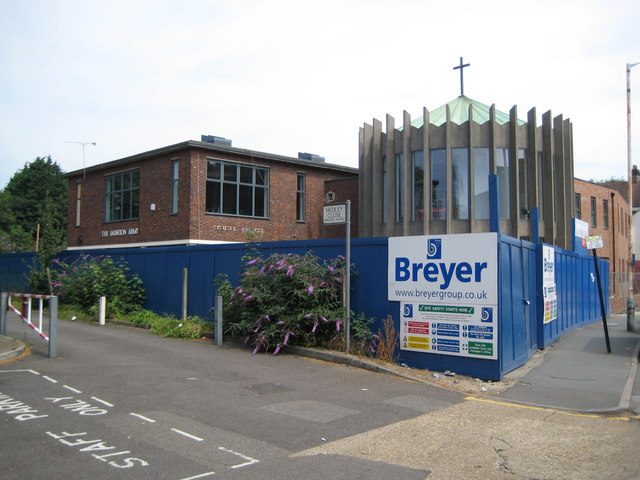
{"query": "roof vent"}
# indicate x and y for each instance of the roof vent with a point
(310, 156)
(216, 140)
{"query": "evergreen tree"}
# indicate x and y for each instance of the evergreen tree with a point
(29, 189)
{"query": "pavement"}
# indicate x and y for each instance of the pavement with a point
(576, 373)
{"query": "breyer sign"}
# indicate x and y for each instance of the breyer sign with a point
(445, 268)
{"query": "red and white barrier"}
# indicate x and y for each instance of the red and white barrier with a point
(25, 315)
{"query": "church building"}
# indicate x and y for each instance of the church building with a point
(430, 175)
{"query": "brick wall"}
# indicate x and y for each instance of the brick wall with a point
(192, 222)
(615, 237)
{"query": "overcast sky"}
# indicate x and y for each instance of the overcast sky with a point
(289, 76)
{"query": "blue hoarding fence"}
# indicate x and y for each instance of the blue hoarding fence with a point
(521, 305)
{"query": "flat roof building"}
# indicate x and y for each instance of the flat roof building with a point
(199, 192)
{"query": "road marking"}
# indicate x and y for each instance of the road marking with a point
(146, 419)
(102, 401)
(202, 475)
(250, 461)
(20, 370)
(72, 389)
(193, 437)
(49, 379)
(546, 409)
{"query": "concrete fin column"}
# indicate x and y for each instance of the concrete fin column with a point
(376, 205)
(391, 171)
(514, 181)
(426, 163)
(533, 175)
(407, 186)
(548, 180)
(562, 212)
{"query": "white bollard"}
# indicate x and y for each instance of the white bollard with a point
(102, 310)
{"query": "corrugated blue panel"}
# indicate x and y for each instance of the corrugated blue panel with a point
(13, 271)
(578, 298)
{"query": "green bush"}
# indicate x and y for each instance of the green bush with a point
(288, 299)
(85, 280)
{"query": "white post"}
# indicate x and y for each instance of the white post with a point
(102, 310)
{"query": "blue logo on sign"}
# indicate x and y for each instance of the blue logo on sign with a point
(408, 311)
(487, 314)
(434, 248)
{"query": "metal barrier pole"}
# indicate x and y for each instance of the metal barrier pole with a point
(53, 327)
(4, 304)
(218, 320)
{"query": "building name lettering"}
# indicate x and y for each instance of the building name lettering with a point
(119, 232)
(229, 228)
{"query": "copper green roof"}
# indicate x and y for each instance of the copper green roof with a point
(459, 108)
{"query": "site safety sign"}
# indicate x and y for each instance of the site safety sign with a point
(448, 292)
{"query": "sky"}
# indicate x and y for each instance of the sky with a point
(289, 76)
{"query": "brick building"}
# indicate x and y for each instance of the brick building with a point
(199, 192)
(607, 213)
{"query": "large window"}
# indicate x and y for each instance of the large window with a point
(594, 212)
(300, 197)
(385, 191)
(122, 196)
(175, 176)
(399, 184)
(481, 183)
(417, 206)
(438, 184)
(578, 200)
(78, 202)
(235, 189)
(541, 176)
(460, 183)
(605, 214)
(503, 169)
(523, 180)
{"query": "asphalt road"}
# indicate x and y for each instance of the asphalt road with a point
(120, 402)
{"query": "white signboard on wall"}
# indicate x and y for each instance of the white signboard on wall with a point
(448, 289)
(549, 294)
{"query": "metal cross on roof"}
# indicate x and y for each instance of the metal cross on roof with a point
(461, 67)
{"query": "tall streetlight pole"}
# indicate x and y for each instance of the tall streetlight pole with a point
(631, 309)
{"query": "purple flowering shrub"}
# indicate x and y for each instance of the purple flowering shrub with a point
(86, 279)
(288, 299)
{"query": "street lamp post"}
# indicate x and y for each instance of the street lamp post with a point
(631, 310)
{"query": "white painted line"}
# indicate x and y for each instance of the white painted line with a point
(72, 389)
(202, 475)
(52, 380)
(146, 419)
(102, 401)
(250, 461)
(20, 370)
(193, 437)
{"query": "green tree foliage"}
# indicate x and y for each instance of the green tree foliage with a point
(85, 280)
(35, 195)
